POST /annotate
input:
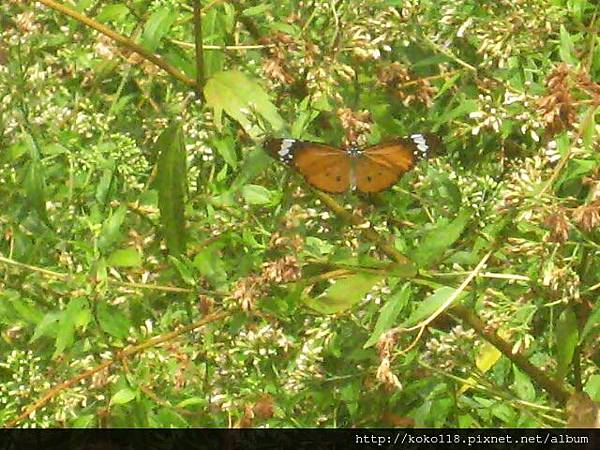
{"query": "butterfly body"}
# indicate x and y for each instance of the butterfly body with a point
(336, 170)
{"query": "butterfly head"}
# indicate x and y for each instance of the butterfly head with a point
(354, 150)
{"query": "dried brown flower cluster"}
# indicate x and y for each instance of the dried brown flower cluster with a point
(249, 289)
(404, 85)
(385, 345)
(559, 226)
(276, 66)
(588, 216)
(356, 124)
(558, 105)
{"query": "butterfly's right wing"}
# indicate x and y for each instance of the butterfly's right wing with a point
(381, 165)
(325, 167)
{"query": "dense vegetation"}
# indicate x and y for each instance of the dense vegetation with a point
(157, 268)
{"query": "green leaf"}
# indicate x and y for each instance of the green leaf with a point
(211, 265)
(259, 195)
(48, 326)
(184, 269)
(428, 306)
(171, 182)
(167, 418)
(567, 49)
(389, 313)
(239, 96)
(35, 181)
(76, 315)
(439, 239)
(593, 321)
(523, 386)
(111, 229)
(86, 421)
(566, 341)
(343, 294)
(112, 12)
(157, 27)
(112, 320)
(123, 396)
(193, 401)
(226, 148)
(256, 10)
(127, 257)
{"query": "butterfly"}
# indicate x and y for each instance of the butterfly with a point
(370, 169)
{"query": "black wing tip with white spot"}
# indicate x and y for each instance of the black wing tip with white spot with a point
(281, 149)
(424, 145)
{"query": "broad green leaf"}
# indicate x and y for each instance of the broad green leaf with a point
(193, 401)
(464, 107)
(567, 49)
(592, 387)
(171, 182)
(240, 97)
(439, 239)
(259, 195)
(254, 163)
(113, 12)
(123, 396)
(76, 315)
(157, 27)
(110, 233)
(523, 386)
(256, 10)
(428, 306)
(48, 326)
(112, 320)
(226, 148)
(210, 264)
(27, 310)
(389, 313)
(167, 418)
(127, 257)
(343, 294)
(86, 421)
(566, 341)
(592, 322)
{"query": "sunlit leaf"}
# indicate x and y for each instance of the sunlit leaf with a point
(431, 304)
(127, 257)
(240, 97)
(123, 396)
(343, 294)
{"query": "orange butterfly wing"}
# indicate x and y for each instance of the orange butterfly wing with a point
(322, 166)
(380, 166)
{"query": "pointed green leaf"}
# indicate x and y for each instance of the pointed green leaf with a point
(112, 320)
(389, 313)
(76, 315)
(111, 229)
(343, 294)
(123, 396)
(127, 257)
(259, 195)
(438, 240)
(566, 341)
(592, 322)
(240, 97)
(523, 386)
(428, 306)
(567, 49)
(157, 27)
(171, 182)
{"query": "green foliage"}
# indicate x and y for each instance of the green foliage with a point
(134, 205)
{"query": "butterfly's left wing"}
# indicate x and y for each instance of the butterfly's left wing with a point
(325, 167)
(381, 165)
